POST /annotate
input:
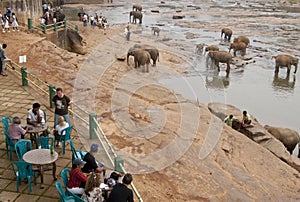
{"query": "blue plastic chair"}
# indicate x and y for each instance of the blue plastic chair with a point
(21, 147)
(23, 170)
(76, 154)
(65, 138)
(10, 146)
(65, 173)
(44, 142)
(62, 196)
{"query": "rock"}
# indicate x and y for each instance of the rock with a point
(74, 42)
(178, 16)
(257, 133)
(155, 11)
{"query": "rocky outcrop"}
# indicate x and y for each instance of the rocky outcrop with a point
(257, 133)
(74, 42)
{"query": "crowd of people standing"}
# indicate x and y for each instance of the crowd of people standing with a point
(8, 20)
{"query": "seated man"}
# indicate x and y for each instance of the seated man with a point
(35, 115)
(246, 121)
(91, 164)
(15, 131)
(121, 192)
(229, 119)
(78, 179)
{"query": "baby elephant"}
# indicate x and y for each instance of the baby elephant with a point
(238, 46)
(242, 39)
(156, 30)
(227, 33)
(220, 56)
(211, 48)
(286, 61)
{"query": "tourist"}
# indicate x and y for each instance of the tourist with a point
(2, 21)
(15, 24)
(59, 128)
(61, 103)
(6, 24)
(92, 190)
(78, 179)
(35, 115)
(15, 131)
(91, 164)
(4, 59)
(8, 13)
(85, 19)
(121, 192)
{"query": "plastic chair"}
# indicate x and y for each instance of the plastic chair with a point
(65, 173)
(65, 138)
(10, 146)
(44, 142)
(23, 170)
(45, 116)
(62, 196)
(21, 147)
(6, 121)
(76, 154)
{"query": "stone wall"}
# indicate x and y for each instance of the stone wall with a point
(85, 2)
(24, 9)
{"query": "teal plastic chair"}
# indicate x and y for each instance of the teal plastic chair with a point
(76, 154)
(65, 173)
(44, 142)
(21, 147)
(23, 170)
(10, 146)
(65, 138)
(62, 196)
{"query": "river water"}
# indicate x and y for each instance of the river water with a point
(253, 87)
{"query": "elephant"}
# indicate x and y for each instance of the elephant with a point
(199, 48)
(220, 56)
(238, 46)
(242, 39)
(136, 15)
(137, 7)
(155, 30)
(141, 58)
(289, 138)
(286, 61)
(212, 48)
(154, 53)
(227, 33)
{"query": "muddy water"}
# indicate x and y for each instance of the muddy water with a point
(271, 29)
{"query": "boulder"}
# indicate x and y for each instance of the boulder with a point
(74, 42)
(257, 133)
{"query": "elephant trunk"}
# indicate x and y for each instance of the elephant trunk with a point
(128, 58)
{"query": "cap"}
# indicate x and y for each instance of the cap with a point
(79, 162)
(94, 148)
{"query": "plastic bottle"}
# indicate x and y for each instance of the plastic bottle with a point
(51, 149)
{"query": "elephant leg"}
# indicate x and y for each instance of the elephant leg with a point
(228, 67)
(295, 69)
(147, 67)
(288, 69)
(234, 53)
(217, 64)
(276, 69)
(291, 148)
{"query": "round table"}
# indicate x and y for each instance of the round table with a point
(42, 157)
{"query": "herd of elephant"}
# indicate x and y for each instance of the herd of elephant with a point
(240, 44)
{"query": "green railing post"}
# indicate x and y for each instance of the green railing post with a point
(51, 94)
(44, 28)
(55, 26)
(29, 23)
(93, 125)
(65, 23)
(76, 28)
(24, 76)
(118, 162)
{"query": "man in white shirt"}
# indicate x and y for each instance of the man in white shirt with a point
(35, 115)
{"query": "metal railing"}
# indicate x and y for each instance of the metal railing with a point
(95, 130)
(51, 27)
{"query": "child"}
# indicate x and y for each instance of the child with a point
(15, 24)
